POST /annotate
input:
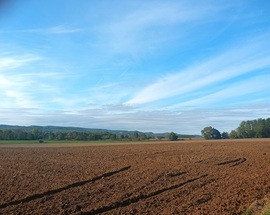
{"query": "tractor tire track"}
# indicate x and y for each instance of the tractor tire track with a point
(140, 197)
(236, 162)
(52, 192)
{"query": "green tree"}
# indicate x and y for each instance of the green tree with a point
(224, 135)
(266, 129)
(22, 135)
(1, 135)
(37, 134)
(113, 136)
(135, 135)
(59, 136)
(172, 136)
(142, 136)
(51, 136)
(246, 129)
(215, 134)
(259, 128)
(206, 133)
(233, 134)
(9, 135)
(210, 133)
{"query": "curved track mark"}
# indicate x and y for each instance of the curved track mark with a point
(236, 162)
(51, 192)
(202, 200)
(174, 174)
(163, 176)
(239, 162)
(139, 197)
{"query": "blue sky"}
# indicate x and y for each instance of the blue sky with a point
(163, 65)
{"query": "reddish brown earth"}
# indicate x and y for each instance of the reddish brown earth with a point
(185, 177)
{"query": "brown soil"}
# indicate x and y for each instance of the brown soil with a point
(185, 177)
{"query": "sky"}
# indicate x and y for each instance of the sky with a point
(155, 65)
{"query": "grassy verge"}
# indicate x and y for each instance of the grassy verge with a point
(266, 210)
(21, 142)
(18, 142)
(259, 207)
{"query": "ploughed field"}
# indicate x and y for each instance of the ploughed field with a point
(185, 177)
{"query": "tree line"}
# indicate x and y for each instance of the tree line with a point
(35, 134)
(258, 128)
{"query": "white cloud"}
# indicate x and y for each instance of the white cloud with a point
(20, 99)
(58, 29)
(233, 91)
(242, 59)
(7, 62)
(148, 26)
(24, 85)
(4, 82)
(114, 58)
(188, 121)
(11, 87)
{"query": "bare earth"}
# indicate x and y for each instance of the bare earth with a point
(185, 177)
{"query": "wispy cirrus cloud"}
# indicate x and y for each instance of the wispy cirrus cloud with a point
(59, 29)
(54, 30)
(249, 57)
(140, 65)
(23, 84)
(11, 90)
(190, 121)
(146, 29)
(233, 93)
(14, 61)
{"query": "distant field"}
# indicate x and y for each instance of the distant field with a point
(184, 177)
(6, 142)
(69, 143)
(66, 143)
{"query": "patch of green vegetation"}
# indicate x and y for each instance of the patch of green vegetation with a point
(254, 210)
(41, 141)
(266, 212)
(248, 212)
(18, 142)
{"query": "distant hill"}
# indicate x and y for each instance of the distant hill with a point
(52, 128)
(79, 129)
